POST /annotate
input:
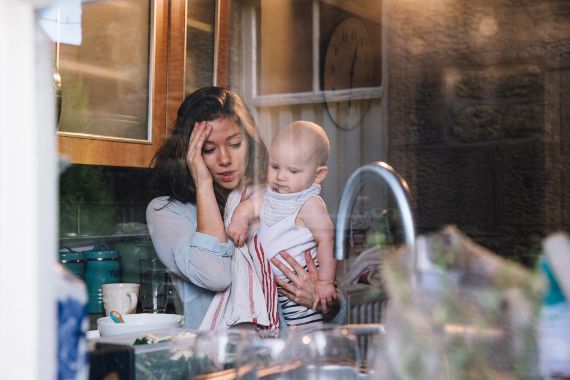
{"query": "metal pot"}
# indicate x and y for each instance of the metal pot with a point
(73, 261)
(103, 267)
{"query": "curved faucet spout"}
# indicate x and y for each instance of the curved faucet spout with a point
(374, 171)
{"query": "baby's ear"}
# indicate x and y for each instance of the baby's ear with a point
(322, 172)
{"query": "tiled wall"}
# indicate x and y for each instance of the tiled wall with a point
(101, 201)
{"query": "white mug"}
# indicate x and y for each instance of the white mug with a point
(121, 297)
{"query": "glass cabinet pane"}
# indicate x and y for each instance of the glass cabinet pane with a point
(105, 81)
(200, 44)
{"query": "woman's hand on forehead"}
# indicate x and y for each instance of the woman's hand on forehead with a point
(194, 158)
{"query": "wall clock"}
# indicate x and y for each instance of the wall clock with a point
(348, 64)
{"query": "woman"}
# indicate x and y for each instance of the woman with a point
(213, 149)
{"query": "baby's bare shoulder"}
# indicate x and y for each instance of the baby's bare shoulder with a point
(313, 206)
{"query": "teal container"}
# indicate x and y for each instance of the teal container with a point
(103, 267)
(73, 261)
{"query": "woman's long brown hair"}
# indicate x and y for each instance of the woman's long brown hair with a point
(172, 177)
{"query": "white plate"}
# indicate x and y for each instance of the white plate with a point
(137, 323)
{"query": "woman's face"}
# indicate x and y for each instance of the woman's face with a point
(225, 153)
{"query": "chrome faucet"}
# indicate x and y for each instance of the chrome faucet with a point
(398, 186)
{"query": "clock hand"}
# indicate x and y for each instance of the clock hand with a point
(352, 65)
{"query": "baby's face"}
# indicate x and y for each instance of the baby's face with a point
(291, 168)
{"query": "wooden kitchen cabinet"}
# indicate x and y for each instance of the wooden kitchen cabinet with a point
(186, 72)
(105, 118)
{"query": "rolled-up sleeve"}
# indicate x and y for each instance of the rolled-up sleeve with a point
(211, 244)
(194, 256)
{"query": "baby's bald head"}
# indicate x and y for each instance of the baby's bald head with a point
(307, 136)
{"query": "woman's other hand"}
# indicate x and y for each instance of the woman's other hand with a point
(301, 289)
(198, 168)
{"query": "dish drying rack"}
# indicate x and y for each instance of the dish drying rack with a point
(365, 307)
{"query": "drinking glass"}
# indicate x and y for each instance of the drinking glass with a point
(289, 355)
(223, 354)
(270, 358)
(336, 353)
(154, 286)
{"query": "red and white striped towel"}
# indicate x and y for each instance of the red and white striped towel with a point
(252, 296)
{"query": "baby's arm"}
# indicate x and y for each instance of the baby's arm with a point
(315, 217)
(242, 217)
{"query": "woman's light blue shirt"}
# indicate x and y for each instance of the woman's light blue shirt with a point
(199, 264)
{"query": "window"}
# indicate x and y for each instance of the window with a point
(286, 48)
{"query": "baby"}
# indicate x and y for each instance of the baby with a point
(293, 217)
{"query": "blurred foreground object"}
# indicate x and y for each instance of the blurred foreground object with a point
(72, 325)
(470, 314)
(557, 250)
(554, 326)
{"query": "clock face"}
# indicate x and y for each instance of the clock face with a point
(349, 64)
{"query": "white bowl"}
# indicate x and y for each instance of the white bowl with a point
(137, 323)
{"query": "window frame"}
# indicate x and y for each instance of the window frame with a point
(250, 71)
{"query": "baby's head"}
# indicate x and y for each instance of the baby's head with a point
(298, 157)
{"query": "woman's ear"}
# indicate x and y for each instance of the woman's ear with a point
(321, 174)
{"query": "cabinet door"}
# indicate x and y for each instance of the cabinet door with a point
(198, 49)
(113, 109)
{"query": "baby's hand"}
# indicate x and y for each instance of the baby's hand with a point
(237, 232)
(325, 294)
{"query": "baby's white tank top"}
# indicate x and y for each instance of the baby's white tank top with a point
(277, 229)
